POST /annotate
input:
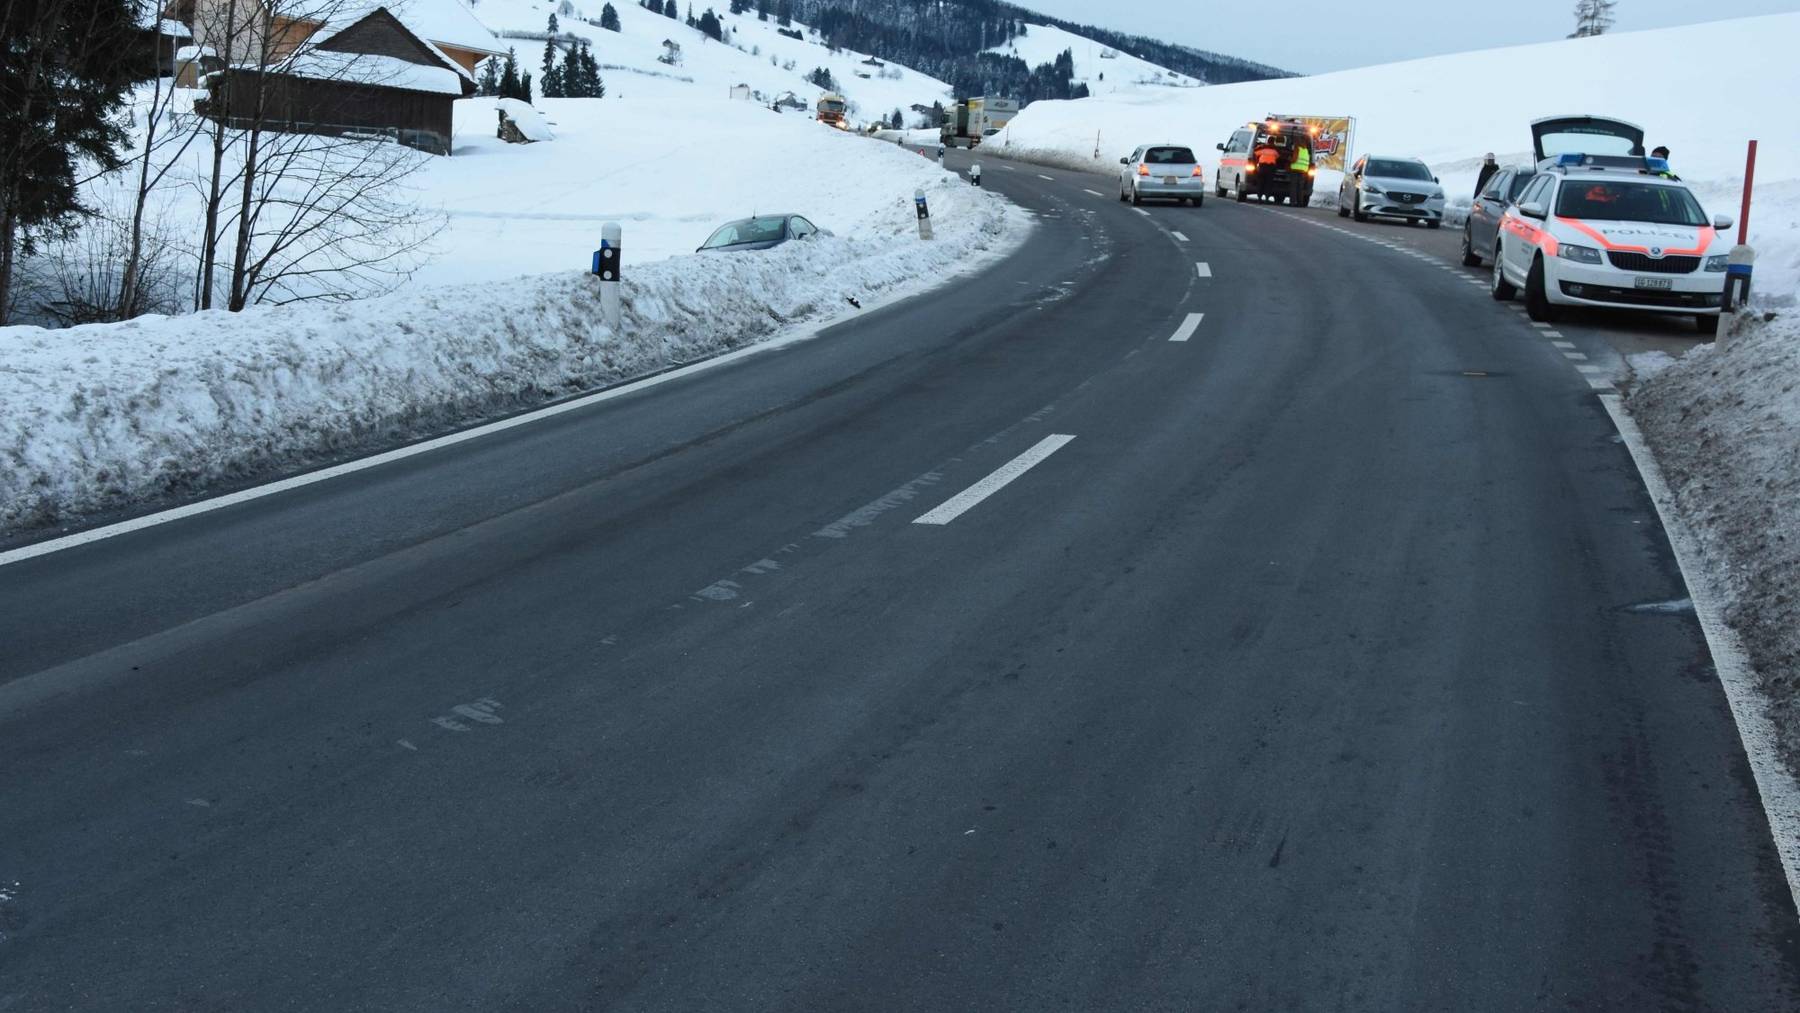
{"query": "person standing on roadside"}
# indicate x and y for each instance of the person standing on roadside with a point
(1488, 168)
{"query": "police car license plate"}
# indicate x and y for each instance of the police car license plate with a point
(1654, 284)
(1169, 181)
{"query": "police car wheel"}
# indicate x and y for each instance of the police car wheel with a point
(1501, 289)
(1241, 195)
(1200, 201)
(1218, 189)
(1537, 304)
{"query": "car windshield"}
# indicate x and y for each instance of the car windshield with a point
(832, 107)
(750, 230)
(1169, 156)
(1619, 201)
(1389, 168)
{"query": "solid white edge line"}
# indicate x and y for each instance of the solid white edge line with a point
(797, 335)
(1002, 476)
(1779, 791)
(1050, 178)
(1203, 269)
(1094, 192)
(1188, 327)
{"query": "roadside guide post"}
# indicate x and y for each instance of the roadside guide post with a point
(608, 261)
(975, 173)
(1742, 259)
(924, 214)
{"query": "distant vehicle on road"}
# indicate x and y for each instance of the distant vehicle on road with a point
(1382, 186)
(967, 122)
(1271, 159)
(759, 233)
(1162, 170)
(831, 108)
(1482, 229)
(1610, 230)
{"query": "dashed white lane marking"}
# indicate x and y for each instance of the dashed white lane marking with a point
(1590, 369)
(1599, 384)
(1179, 237)
(1188, 327)
(960, 503)
(1050, 178)
(1576, 356)
(1141, 211)
(1203, 270)
(1540, 326)
(1553, 334)
(1086, 190)
(1564, 344)
(1009, 168)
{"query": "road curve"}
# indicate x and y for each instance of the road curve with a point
(1304, 662)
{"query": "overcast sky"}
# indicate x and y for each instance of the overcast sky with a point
(1311, 36)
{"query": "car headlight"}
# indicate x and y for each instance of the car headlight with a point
(1437, 195)
(1717, 264)
(1579, 254)
(1369, 187)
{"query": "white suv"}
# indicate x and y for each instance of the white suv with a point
(1614, 230)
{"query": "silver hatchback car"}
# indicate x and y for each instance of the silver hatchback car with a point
(1388, 187)
(1162, 170)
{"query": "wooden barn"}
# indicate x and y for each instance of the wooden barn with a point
(374, 76)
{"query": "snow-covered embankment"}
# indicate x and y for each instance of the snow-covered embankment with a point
(1724, 424)
(112, 416)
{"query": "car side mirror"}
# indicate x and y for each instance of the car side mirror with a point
(1434, 179)
(1723, 222)
(1221, 147)
(1534, 210)
(1124, 161)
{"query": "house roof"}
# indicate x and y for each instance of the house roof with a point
(441, 22)
(337, 57)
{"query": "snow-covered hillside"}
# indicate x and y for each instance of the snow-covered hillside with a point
(1703, 90)
(753, 54)
(1103, 69)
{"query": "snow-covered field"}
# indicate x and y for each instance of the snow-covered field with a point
(1724, 422)
(1103, 69)
(1702, 90)
(668, 169)
(110, 415)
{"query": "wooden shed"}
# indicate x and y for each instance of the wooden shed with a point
(374, 76)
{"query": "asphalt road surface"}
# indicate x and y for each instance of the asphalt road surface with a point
(995, 651)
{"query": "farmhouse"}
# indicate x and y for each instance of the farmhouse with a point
(338, 68)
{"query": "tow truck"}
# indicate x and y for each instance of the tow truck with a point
(1240, 172)
(1604, 225)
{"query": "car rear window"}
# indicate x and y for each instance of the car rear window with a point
(1169, 156)
(750, 230)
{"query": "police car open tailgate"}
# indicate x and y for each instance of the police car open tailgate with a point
(1591, 135)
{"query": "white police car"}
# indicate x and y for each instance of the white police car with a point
(1602, 225)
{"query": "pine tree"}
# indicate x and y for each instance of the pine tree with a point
(710, 26)
(609, 18)
(490, 77)
(525, 87)
(784, 13)
(63, 78)
(672, 11)
(552, 26)
(739, 6)
(1593, 17)
(762, 10)
(509, 76)
(550, 80)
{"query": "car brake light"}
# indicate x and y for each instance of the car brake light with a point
(1250, 167)
(1143, 170)
(1197, 171)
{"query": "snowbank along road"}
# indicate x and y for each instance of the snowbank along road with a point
(1158, 621)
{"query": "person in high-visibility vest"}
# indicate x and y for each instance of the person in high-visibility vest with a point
(1302, 158)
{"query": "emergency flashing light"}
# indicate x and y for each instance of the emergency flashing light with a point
(1570, 158)
(1655, 164)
